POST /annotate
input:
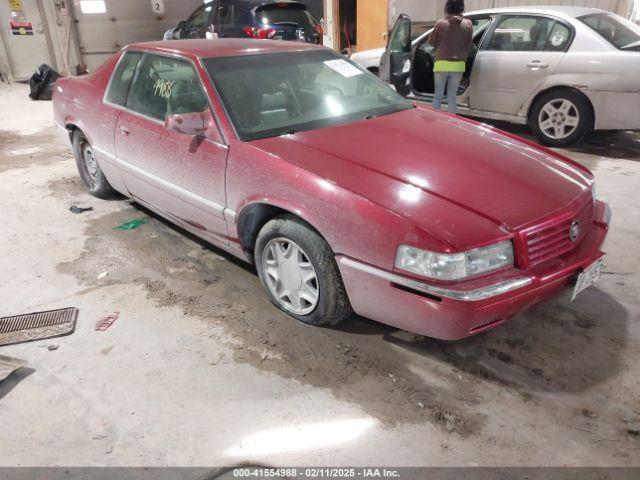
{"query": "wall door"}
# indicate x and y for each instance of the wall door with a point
(123, 22)
(373, 24)
(29, 47)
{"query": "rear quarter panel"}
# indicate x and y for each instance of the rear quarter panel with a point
(78, 103)
(83, 106)
(592, 65)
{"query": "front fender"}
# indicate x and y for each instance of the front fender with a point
(352, 225)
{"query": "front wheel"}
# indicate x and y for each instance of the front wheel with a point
(298, 269)
(561, 118)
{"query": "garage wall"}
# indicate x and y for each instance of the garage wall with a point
(422, 11)
(100, 35)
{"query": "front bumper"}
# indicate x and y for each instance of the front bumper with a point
(451, 314)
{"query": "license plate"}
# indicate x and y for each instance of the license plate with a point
(588, 277)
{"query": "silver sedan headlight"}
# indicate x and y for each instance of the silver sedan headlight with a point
(454, 266)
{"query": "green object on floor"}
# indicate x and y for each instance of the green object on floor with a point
(131, 225)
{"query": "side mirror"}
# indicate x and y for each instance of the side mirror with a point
(197, 124)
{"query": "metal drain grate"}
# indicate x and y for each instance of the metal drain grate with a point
(37, 326)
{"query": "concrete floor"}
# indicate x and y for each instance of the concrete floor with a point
(200, 369)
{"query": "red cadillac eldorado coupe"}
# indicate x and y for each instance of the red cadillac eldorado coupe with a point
(345, 195)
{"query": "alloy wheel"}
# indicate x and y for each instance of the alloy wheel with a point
(90, 161)
(559, 118)
(290, 276)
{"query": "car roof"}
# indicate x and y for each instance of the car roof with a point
(260, 3)
(573, 12)
(223, 47)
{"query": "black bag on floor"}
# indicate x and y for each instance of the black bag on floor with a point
(42, 82)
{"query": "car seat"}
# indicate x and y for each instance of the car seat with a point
(539, 34)
(146, 99)
(502, 41)
(273, 108)
(186, 97)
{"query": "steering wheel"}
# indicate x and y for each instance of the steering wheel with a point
(332, 89)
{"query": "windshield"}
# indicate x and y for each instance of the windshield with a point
(616, 30)
(275, 94)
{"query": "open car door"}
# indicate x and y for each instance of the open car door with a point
(395, 64)
(423, 61)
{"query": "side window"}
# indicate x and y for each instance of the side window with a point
(521, 34)
(199, 19)
(121, 79)
(225, 14)
(400, 41)
(559, 38)
(480, 26)
(242, 16)
(165, 86)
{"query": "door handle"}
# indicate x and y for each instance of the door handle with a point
(537, 64)
(124, 131)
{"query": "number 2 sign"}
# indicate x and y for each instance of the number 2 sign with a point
(157, 6)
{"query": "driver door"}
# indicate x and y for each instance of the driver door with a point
(180, 175)
(395, 64)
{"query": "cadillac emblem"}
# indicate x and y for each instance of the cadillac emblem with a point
(574, 231)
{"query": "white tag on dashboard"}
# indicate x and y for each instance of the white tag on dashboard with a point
(343, 68)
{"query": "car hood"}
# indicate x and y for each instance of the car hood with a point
(410, 160)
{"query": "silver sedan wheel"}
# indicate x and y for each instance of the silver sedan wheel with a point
(290, 276)
(90, 161)
(559, 118)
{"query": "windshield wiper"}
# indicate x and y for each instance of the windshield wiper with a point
(289, 132)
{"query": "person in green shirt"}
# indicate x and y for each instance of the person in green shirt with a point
(452, 37)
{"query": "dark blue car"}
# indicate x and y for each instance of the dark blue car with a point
(277, 20)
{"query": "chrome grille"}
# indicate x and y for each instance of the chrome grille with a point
(552, 240)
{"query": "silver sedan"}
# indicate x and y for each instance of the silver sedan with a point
(565, 71)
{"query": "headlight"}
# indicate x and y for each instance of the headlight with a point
(454, 266)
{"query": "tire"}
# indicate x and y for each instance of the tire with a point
(561, 118)
(90, 172)
(312, 257)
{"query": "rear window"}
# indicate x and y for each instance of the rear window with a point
(276, 14)
(621, 33)
(121, 79)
